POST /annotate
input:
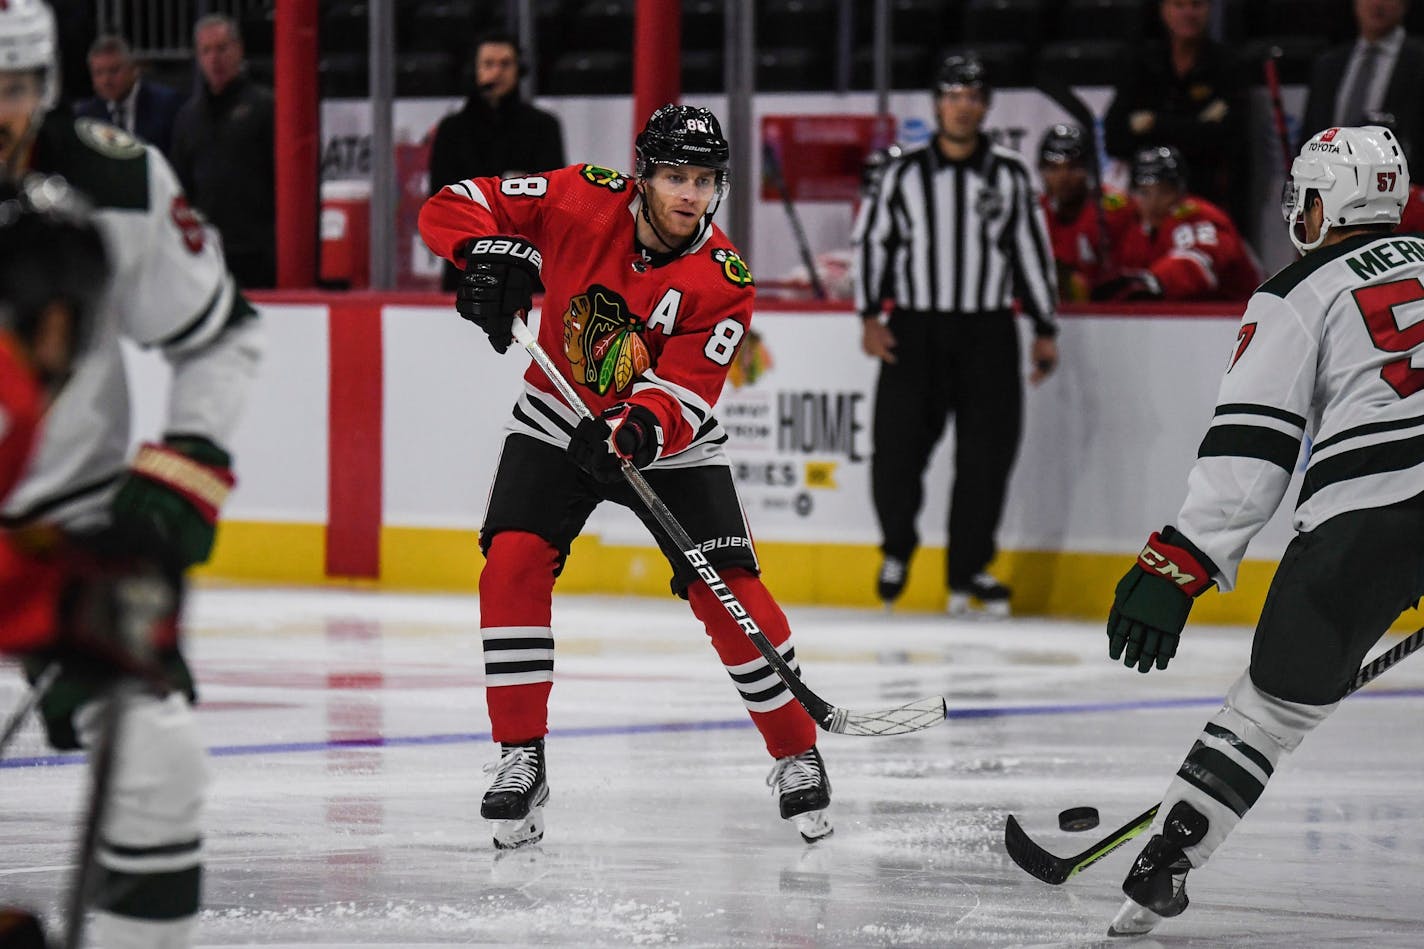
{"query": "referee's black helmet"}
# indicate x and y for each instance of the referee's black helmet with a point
(962, 69)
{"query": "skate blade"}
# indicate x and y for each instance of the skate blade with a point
(962, 607)
(1133, 919)
(813, 825)
(513, 834)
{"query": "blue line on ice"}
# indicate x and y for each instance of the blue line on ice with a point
(603, 731)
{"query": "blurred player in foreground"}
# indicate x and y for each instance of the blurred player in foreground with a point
(1323, 347)
(170, 290)
(646, 304)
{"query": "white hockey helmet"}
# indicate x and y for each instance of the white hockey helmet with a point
(27, 42)
(1360, 175)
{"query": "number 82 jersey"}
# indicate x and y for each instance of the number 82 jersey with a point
(1332, 345)
(621, 323)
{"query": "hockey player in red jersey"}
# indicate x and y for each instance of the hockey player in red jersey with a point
(1325, 347)
(646, 302)
(1185, 247)
(1085, 226)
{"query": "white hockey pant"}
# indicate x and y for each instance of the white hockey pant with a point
(149, 859)
(1233, 758)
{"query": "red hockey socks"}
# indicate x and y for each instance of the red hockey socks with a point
(516, 597)
(783, 723)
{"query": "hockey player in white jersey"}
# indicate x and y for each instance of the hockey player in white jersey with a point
(170, 290)
(1331, 346)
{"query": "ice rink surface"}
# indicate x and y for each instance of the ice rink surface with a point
(348, 732)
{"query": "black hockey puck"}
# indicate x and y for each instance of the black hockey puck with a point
(1078, 818)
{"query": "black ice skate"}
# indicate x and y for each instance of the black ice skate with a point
(804, 793)
(515, 799)
(984, 592)
(1156, 886)
(891, 581)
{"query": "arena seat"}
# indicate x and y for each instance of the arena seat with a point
(425, 74)
(911, 67)
(1000, 21)
(601, 72)
(1297, 56)
(703, 70)
(343, 75)
(603, 25)
(1083, 62)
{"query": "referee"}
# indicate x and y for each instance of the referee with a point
(951, 233)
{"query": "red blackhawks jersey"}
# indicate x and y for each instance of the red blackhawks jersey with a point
(1196, 254)
(28, 586)
(1078, 242)
(1412, 220)
(620, 325)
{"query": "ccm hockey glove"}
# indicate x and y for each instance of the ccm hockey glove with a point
(499, 280)
(168, 503)
(1152, 601)
(624, 431)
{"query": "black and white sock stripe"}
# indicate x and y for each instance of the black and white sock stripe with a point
(157, 883)
(1227, 768)
(762, 689)
(518, 655)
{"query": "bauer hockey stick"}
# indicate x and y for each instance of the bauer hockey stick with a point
(890, 721)
(1053, 869)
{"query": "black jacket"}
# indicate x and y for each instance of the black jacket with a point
(1212, 149)
(222, 152)
(479, 140)
(1401, 95)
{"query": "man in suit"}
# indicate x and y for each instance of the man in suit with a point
(1381, 71)
(123, 98)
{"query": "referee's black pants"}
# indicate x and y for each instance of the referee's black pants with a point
(968, 365)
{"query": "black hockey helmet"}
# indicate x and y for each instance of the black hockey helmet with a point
(1158, 163)
(50, 251)
(1063, 144)
(682, 135)
(962, 69)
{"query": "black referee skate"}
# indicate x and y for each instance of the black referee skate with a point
(991, 596)
(804, 793)
(1156, 886)
(515, 800)
(891, 581)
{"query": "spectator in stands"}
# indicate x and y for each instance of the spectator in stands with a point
(496, 132)
(222, 151)
(1086, 222)
(1190, 94)
(1186, 247)
(1381, 71)
(124, 98)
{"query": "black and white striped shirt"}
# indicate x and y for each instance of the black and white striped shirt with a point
(956, 237)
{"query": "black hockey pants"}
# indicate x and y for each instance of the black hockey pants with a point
(961, 364)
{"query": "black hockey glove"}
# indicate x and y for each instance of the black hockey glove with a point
(1132, 285)
(168, 503)
(626, 430)
(501, 274)
(1152, 601)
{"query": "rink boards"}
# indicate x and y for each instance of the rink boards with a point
(369, 441)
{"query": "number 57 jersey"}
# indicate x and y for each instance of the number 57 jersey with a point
(622, 324)
(1333, 346)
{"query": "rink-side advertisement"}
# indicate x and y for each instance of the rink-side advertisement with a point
(798, 428)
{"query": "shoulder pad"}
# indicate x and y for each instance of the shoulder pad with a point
(734, 270)
(107, 164)
(601, 177)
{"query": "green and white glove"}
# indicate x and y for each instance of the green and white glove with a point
(1152, 601)
(168, 503)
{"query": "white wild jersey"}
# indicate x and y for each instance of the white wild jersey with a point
(170, 289)
(1333, 346)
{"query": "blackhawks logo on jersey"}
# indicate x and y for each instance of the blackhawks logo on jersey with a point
(733, 267)
(603, 341)
(107, 139)
(604, 177)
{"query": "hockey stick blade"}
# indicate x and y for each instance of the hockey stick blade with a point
(1054, 869)
(891, 721)
(1050, 868)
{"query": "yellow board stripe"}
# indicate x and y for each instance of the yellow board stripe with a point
(1065, 584)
